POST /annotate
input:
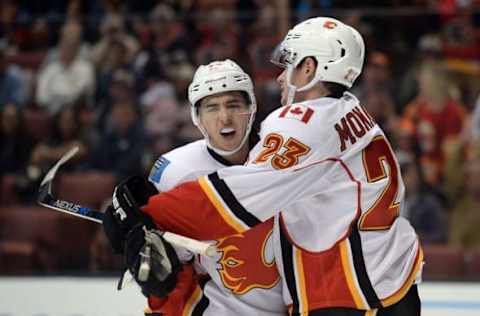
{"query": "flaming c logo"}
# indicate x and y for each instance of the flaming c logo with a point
(330, 25)
(243, 264)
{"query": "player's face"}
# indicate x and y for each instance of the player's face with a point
(224, 117)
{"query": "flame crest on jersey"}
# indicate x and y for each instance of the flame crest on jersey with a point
(244, 265)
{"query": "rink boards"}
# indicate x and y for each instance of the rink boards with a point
(80, 296)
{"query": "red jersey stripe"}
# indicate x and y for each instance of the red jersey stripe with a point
(194, 217)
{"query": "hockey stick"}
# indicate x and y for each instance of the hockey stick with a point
(47, 199)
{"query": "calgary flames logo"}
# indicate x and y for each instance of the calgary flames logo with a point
(244, 263)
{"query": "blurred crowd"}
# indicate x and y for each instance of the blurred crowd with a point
(111, 78)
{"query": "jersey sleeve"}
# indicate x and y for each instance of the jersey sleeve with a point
(234, 199)
(284, 167)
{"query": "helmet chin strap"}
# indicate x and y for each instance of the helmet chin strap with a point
(292, 89)
(222, 152)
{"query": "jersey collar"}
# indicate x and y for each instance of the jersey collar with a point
(219, 158)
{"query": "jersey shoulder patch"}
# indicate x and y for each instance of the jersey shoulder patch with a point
(297, 112)
(157, 169)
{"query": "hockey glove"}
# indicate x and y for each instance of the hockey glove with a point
(124, 213)
(152, 261)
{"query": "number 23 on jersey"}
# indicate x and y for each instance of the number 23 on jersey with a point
(284, 154)
(376, 155)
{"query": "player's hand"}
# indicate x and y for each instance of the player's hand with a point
(152, 261)
(124, 213)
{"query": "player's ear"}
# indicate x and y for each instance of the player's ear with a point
(309, 67)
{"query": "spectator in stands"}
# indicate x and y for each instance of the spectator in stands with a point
(422, 206)
(13, 82)
(462, 186)
(15, 144)
(437, 120)
(429, 49)
(219, 34)
(465, 215)
(105, 53)
(72, 30)
(120, 149)
(9, 28)
(64, 81)
(377, 76)
(116, 86)
(263, 35)
(168, 122)
(461, 39)
(66, 134)
(475, 123)
(375, 92)
(168, 43)
(186, 132)
(39, 37)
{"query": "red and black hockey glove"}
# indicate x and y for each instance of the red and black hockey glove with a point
(124, 213)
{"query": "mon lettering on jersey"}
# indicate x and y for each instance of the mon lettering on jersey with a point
(355, 124)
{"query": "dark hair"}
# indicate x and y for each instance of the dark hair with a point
(336, 90)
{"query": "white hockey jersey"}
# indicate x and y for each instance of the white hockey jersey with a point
(244, 277)
(327, 173)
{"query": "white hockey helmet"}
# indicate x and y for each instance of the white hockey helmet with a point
(218, 77)
(338, 49)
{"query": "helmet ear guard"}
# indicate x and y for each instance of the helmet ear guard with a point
(218, 77)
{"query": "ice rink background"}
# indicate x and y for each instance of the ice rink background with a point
(69, 296)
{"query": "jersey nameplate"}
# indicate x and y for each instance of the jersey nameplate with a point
(353, 126)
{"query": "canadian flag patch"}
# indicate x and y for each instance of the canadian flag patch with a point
(297, 112)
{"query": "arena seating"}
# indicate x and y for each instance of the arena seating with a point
(472, 263)
(28, 239)
(36, 239)
(444, 262)
(90, 189)
(38, 124)
(8, 195)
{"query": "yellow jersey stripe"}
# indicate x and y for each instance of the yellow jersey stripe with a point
(392, 299)
(371, 312)
(347, 269)
(302, 291)
(194, 298)
(231, 221)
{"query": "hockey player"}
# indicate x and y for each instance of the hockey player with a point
(223, 107)
(324, 169)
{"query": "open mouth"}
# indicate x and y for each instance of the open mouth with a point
(227, 132)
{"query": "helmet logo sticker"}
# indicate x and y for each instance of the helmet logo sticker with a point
(329, 25)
